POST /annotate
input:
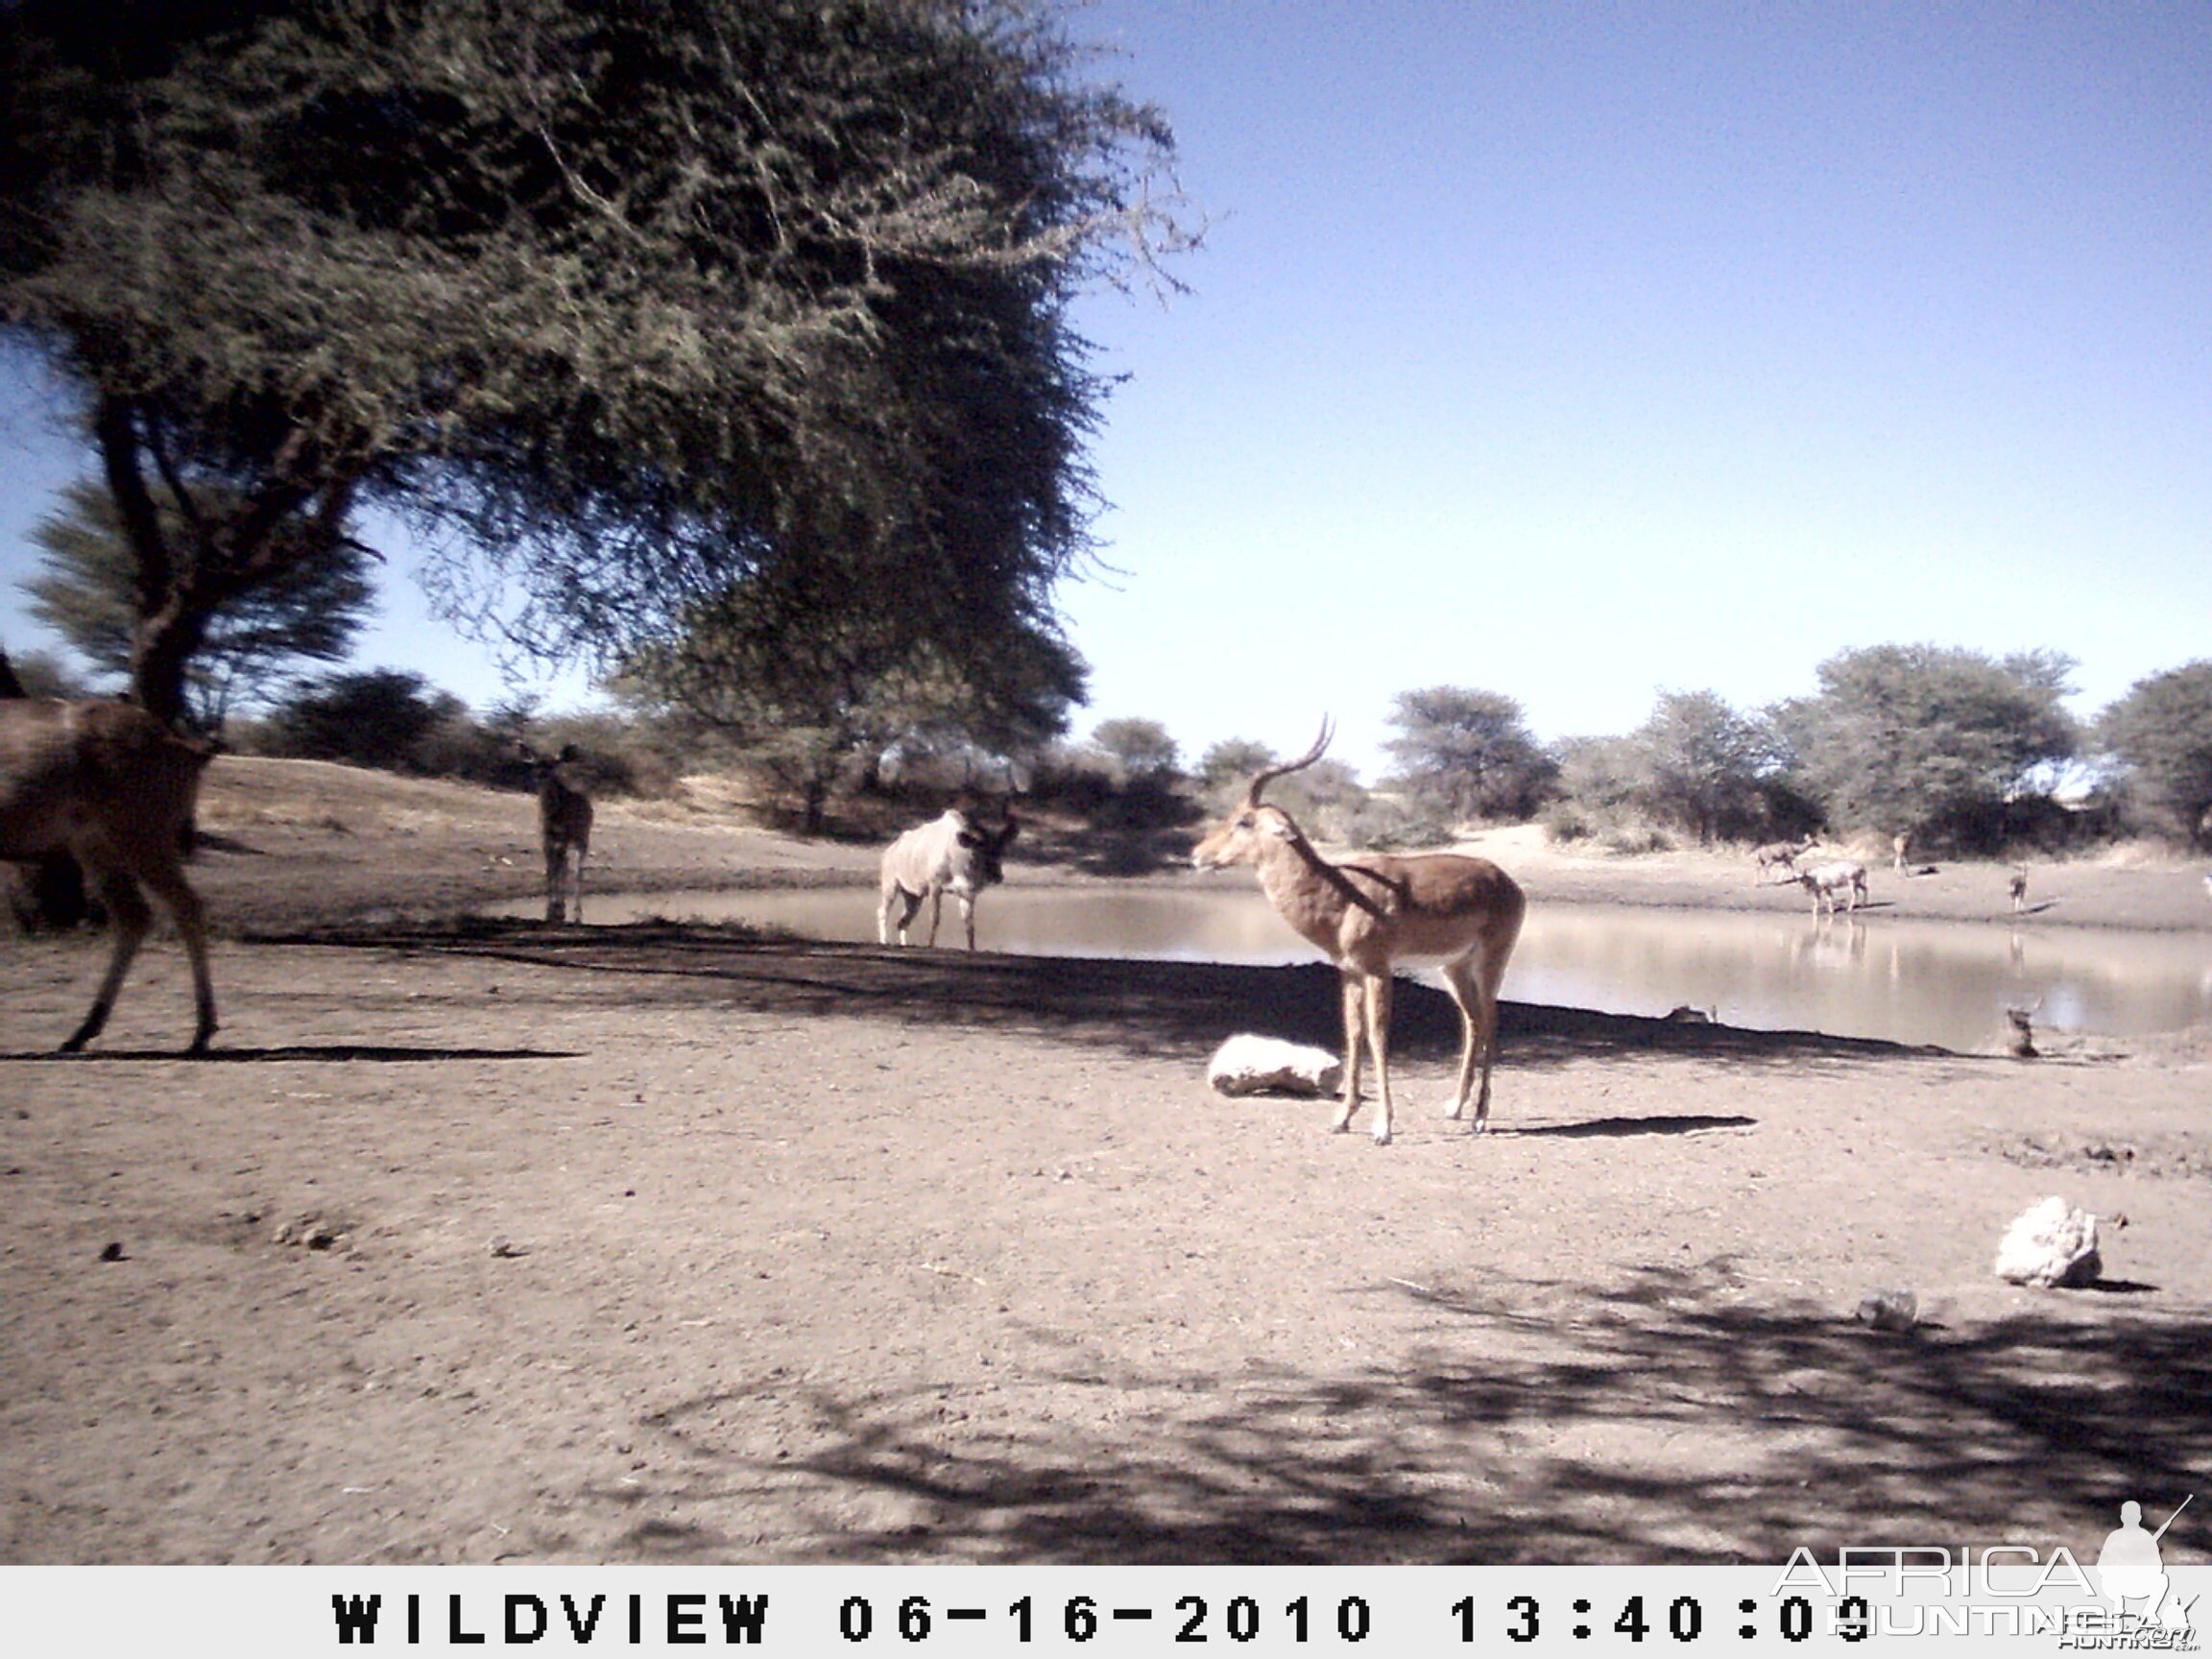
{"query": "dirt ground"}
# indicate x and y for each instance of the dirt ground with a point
(478, 1241)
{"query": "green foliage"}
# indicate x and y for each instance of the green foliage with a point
(38, 674)
(1385, 824)
(813, 694)
(1932, 739)
(1600, 783)
(1465, 754)
(620, 306)
(383, 718)
(311, 608)
(1702, 767)
(1135, 749)
(2162, 732)
(1231, 761)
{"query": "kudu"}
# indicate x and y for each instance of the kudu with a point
(564, 828)
(1374, 915)
(1783, 854)
(114, 787)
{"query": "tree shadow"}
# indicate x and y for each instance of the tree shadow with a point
(1145, 1008)
(336, 1052)
(1686, 1123)
(1671, 1419)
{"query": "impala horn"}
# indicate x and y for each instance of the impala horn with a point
(1267, 775)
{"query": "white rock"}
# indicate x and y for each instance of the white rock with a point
(2053, 1244)
(1250, 1064)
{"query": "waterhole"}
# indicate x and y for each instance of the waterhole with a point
(1908, 981)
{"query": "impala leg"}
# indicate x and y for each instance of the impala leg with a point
(1459, 980)
(936, 912)
(967, 916)
(1474, 986)
(129, 915)
(1354, 1005)
(576, 909)
(1379, 987)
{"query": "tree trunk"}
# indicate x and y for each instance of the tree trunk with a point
(159, 656)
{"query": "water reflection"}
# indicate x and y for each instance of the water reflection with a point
(1910, 981)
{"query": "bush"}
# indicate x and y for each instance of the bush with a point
(1387, 825)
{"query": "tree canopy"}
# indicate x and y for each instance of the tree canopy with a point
(1932, 739)
(2162, 732)
(1702, 765)
(311, 608)
(618, 304)
(1468, 754)
(815, 690)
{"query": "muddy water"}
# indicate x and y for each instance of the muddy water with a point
(1946, 983)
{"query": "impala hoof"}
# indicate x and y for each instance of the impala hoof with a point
(1381, 1137)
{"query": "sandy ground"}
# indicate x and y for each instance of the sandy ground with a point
(504, 1243)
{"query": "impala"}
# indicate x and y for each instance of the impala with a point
(1376, 914)
(114, 787)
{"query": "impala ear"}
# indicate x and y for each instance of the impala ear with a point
(1278, 826)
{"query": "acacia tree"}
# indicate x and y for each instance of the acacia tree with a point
(814, 693)
(1701, 764)
(618, 304)
(2162, 732)
(1135, 749)
(312, 606)
(1468, 754)
(1932, 739)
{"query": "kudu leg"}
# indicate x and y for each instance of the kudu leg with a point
(191, 920)
(556, 862)
(129, 915)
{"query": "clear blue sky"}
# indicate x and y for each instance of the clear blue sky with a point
(1581, 352)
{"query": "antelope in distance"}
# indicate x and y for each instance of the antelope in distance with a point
(114, 787)
(1780, 854)
(1374, 915)
(564, 828)
(1826, 881)
(949, 855)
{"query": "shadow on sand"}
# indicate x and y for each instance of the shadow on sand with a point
(1669, 1420)
(1146, 1008)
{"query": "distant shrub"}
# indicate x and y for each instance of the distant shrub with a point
(1387, 825)
(1637, 838)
